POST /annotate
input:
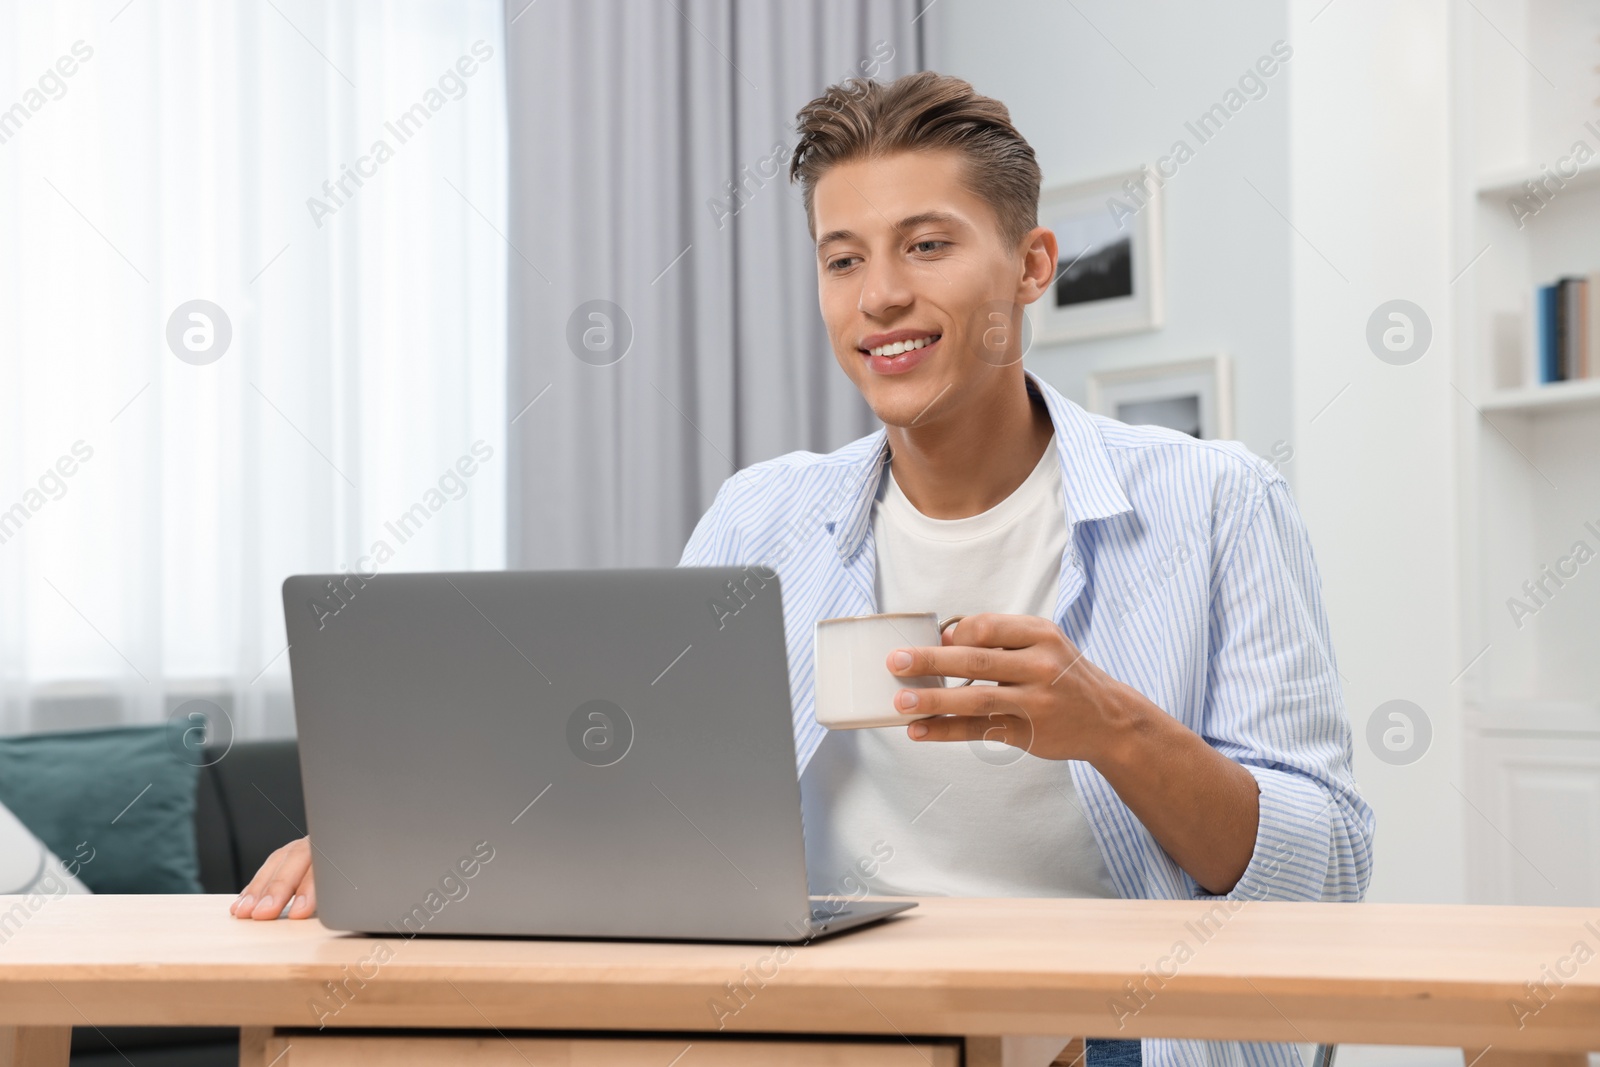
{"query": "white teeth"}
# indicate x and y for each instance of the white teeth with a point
(903, 346)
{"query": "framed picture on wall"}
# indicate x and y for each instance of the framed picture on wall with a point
(1194, 396)
(1108, 266)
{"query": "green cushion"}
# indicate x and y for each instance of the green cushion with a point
(86, 790)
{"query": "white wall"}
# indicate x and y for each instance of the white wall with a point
(1350, 145)
(1100, 93)
(1370, 172)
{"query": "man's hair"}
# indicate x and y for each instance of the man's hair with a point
(864, 119)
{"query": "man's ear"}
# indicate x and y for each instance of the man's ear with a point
(1039, 252)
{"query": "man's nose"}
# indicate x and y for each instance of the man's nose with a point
(883, 288)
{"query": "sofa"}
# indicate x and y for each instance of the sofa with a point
(248, 802)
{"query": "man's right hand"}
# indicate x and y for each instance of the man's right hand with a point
(285, 875)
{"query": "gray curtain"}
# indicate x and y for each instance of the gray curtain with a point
(664, 329)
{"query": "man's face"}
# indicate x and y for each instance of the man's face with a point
(907, 253)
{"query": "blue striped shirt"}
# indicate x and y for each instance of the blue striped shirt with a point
(1188, 575)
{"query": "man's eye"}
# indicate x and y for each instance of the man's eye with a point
(936, 244)
(841, 263)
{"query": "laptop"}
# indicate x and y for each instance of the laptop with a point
(585, 754)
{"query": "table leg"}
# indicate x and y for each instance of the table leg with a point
(1495, 1057)
(1020, 1051)
(1071, 1056)
(35, 1046)
(253, 1045)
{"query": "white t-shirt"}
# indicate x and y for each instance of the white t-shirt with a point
(953, 818)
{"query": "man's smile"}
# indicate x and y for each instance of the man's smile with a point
(898, 351)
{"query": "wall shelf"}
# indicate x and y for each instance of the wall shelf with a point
(1529, 485)
(1510, 182)
(1535, 715)
(1534, 398)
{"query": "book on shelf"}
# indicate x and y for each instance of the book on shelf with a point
(1566, 330)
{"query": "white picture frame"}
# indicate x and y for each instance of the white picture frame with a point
(1109, 268)
(1194, 396)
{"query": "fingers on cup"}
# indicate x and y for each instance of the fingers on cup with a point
(912, 700)
(910, 661)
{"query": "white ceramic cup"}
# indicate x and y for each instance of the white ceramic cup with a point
(854, 686)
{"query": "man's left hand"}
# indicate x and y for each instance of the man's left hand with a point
(1050, 701)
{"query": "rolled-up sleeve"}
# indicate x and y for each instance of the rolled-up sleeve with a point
(1275, 706)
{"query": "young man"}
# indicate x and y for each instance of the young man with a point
(1158, 713)
(1146, 604)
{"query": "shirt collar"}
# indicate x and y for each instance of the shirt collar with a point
(1089, 484)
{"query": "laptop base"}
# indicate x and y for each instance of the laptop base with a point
(825, 921)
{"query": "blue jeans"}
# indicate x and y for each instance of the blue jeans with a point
(1111, 1052)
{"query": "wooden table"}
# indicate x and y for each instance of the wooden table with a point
(946, 979)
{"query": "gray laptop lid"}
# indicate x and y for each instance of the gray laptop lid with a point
(570, 753)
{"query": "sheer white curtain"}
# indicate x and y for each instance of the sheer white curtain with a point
(331, 176)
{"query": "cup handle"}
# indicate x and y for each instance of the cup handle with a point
(945, 624)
